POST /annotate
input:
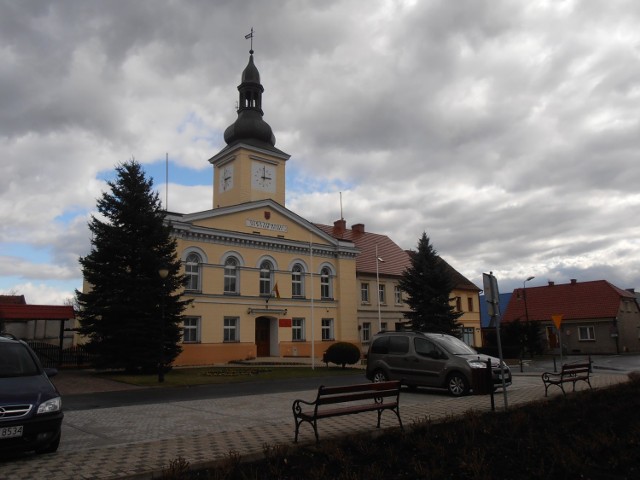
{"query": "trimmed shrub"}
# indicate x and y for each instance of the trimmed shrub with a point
(342, 353)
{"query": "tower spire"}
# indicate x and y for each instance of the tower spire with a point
(250, 35)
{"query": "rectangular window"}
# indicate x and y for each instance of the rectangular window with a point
(381, 294)
(364, 292)
(467, 336)
(458, 304)
(397, 293)
(231, 329)
(586, 334)
(366, 332)
(297, 329)
(191, 330)
(383, 326)
(327, 329)
(470, 304)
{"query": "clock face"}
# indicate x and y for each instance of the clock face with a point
(264, 177)
(226, 178)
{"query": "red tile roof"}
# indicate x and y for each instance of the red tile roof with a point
(575, 301)
(12, 299)
(396, 260)
(36, 312)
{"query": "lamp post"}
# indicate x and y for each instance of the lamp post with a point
(378, 260)
(163, 272)
(524, 294)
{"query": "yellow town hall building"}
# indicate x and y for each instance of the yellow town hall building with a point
(266, 282)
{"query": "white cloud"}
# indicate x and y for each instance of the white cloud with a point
(507, 131)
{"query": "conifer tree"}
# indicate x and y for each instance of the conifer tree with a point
(125, 299)
(428, 284)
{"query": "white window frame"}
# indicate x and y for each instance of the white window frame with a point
(364, 292)
(382, 294)
(297, 281)
(231, 275)
(192, 270)
(590, 332)
(397, 293)
(231, 330)
(297, 329)
(468, 336)
(266, 278)
(326, 283)
(366, 332)
(191, 328)
(327, 329)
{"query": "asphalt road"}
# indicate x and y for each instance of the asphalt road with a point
(145, 396)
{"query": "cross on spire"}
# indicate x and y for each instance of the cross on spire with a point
(250, 35)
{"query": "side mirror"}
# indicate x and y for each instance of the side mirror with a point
(51, 372)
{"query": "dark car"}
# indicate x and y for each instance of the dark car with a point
(430, 360)
(30, 405)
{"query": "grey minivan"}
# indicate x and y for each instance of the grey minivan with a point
(429, 360)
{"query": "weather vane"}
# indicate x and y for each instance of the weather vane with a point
(250, 35)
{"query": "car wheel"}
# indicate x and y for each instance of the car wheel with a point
(52, 447)
(380, 376)
(457, 385)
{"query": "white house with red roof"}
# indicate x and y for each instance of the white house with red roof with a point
(379, 267)
(45, 323)
(595, 317)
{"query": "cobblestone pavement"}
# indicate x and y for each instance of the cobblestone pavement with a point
(137, 442)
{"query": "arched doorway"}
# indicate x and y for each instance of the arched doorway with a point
(263, 337)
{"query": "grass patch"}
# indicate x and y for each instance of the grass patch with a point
(229, 374)
(591, 434)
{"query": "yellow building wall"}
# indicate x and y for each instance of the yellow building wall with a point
(211, 305)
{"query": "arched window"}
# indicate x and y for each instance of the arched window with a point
(266, 278)
(192, 271)
(231, 272)
(297, 281)
(325, 283)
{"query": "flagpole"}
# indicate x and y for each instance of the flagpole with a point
(166, 186)
(313, 338)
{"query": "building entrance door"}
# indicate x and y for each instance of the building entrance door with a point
(262, 337)
(552, 337)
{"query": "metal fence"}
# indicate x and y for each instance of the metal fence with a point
(52, 356)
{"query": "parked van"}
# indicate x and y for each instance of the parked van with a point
(429, 360)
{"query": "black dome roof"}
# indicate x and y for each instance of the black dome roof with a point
(249, 126)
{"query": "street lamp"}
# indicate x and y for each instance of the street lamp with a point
(524, 294)
(378, 260)
(163, 272)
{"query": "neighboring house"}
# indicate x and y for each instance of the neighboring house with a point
(380, 264)
(266, 282)
(596, 316)
(44, 323)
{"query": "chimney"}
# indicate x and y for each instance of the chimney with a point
(573, 281)
(339, 226)
(631, 290)
(358, 227)
(551, 284)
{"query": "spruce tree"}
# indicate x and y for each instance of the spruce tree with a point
(428, 284)
(125, 299)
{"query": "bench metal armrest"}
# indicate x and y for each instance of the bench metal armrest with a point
(297, 408)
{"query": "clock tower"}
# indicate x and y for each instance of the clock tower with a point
(250, 167)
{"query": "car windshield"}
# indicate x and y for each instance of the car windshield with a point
(456, 346)
(15, 361)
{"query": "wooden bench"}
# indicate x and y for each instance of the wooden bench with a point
(571, 372)
(347, 400)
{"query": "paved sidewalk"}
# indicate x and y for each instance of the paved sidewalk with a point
(138, 442)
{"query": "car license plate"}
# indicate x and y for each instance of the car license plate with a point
(11, 432)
